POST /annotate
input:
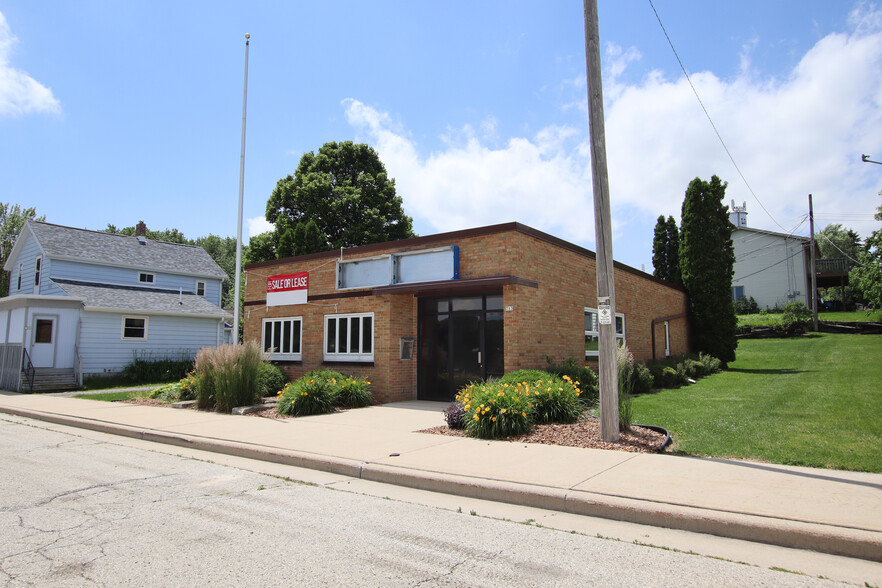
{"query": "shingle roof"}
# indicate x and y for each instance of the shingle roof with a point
(121, 250)
(137, 299)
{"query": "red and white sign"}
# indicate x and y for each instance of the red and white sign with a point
(287, 289)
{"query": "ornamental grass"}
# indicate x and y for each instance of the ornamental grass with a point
(228, 376)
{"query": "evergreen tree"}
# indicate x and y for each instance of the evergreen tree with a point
(672, 252)
(706, 262)
(660, 249)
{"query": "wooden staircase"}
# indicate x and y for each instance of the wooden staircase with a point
(51, 380)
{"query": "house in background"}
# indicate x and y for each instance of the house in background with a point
(84, 303)
(775, 268)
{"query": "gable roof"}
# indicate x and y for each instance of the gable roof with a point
(138, 300)
(83, 245)
(771, 233)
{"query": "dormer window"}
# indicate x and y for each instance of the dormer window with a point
(38, 267)
(145, 278)
(20, 268)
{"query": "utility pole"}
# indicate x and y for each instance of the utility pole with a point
(238, 279)
(606, 293)
(814, 268)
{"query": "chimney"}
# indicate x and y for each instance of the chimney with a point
(141, 232)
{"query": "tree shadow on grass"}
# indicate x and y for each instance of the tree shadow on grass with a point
(780, 371)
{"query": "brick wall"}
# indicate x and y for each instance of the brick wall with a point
(547, 320)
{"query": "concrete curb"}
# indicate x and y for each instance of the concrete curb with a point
(837, 540)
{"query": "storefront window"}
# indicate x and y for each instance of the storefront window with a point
(349, 337)
(281, 338)
(592, 331)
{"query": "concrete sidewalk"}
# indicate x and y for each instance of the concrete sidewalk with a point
(823, 510)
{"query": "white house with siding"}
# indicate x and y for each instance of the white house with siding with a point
(773, 268)
(87, 303)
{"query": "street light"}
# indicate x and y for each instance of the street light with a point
(866, 159)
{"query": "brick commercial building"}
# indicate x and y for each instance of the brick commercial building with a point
(422, 317)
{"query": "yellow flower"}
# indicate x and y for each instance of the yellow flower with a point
(501, 393)
(523, 414)
(494, 419)
(503, 411)
(476, 417)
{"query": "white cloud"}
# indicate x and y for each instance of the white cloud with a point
(543, 181)
(20, 94)
(791, 136)
(258, 225)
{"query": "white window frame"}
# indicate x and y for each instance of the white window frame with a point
(620, 337)
(735, 290)
(146, 320)
(20, 270)
(281, 355)
(200, 285)
(38, 269)
(667, 339)
(360, 354)
(146, 278)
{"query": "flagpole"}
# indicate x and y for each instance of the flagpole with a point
(241, 197)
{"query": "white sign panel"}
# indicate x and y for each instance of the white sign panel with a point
(286, 289)
(604, 311)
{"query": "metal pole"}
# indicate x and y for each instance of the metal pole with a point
(241, 197)
(606, 294)
(814, 268)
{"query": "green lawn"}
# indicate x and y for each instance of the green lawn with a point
(113, 396)
(813, 401)
(859, 316)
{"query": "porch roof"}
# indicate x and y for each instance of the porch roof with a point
(137, 299)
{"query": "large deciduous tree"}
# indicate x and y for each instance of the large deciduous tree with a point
(706, 262)
(12, 219)
(345, 190)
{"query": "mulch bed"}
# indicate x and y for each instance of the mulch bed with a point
(585, 433)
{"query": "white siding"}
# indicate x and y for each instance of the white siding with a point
(770, 267)
(27, 258)
(15, 326)
(90, 272)
(102, 348)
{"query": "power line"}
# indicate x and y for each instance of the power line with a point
(710, 120)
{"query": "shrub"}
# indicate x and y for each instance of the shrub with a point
(147, 367)
(524, 376)
(745, 305)
(270, 379)
(454, 415)
(711, 363)
(642, 379)
(352, 392)
(692, 368)
(228, 376)
(495, 410)
(796, 316)
(583, 376)
(184, 389)
(554, 400)
(308, 395)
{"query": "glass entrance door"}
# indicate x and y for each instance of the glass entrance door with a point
(461, 341)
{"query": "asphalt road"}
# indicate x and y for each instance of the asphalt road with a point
(92, 510)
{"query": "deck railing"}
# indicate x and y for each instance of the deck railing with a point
(832, 266)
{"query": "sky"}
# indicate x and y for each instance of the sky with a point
(114, 112)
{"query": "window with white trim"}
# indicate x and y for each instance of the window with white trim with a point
(667, 339)
(145, 278)
(592, 332)
(200, 288)
(20, 268)
(349, 337)
(134, 327)
(38, 267)
(281, 338)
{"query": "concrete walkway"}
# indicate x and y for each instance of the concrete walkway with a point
(823, 510)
